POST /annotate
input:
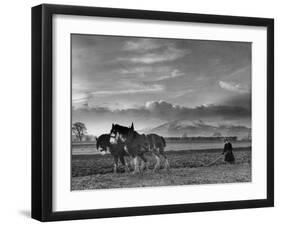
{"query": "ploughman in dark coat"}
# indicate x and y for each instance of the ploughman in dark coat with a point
(228, 154)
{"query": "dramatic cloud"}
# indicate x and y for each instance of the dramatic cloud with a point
(174, 74)
(134, 89)
(239, 81)
(114, 79)
(242, 100)
(234, 87)
(80, 98)
(167, 112)
(140, 89)
(165, 54)
(141, 45)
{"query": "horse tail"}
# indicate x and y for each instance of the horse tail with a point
(164, 142)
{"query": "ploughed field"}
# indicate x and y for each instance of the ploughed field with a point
(186, 167)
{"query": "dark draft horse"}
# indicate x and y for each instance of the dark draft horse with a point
(157, 145)
(119, 134)
(116, 150)
(137, 144)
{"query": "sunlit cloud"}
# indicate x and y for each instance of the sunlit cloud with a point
(166, 111)
(141, 45)
(78, 98)
(140, 89)
(170, 53)
(233, 87)
(174, 74)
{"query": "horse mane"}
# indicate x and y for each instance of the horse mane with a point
(121, 129)
(136, 134)
(164, 142)
(103, 138)
(105, 135)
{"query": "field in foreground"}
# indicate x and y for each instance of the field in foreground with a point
(187, 167)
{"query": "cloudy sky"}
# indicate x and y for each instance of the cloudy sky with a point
(153, 81)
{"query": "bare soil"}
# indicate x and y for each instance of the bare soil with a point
(187, 167)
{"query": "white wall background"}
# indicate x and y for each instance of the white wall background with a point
(15, 93)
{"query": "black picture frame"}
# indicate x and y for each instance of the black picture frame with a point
(42, 107)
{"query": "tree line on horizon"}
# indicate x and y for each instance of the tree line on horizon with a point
(79, 132)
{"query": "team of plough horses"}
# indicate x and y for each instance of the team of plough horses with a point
(125, 141)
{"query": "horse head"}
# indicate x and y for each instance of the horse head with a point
(120, 133)
(102, 143)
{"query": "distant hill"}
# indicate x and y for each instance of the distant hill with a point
(180, 128)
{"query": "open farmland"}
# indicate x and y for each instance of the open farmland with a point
(187, 167)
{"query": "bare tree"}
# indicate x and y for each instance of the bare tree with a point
(79, 130)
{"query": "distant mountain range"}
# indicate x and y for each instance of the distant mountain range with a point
(180, 128)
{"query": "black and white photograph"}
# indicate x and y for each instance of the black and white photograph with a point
(145, 112)
(159, 112)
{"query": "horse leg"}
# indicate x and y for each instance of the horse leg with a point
(157, 165)
(144, 162)
(166, 162)
(127, 164)
(124, 163)
(131, 161)
(136, 164)
(115, 164)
